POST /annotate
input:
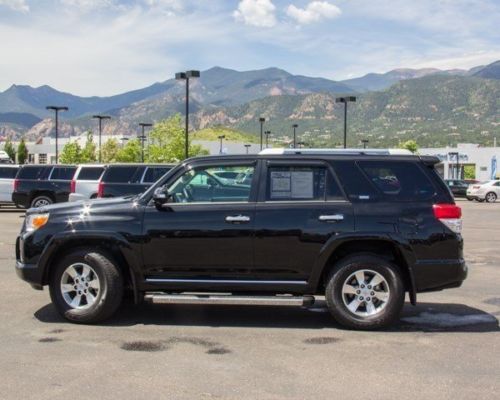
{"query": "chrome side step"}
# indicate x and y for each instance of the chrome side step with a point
(297, 301)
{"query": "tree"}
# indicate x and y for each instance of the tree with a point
(71, 153)
(167, 140)
(110, 150)
(410, 145)
(131, 152)
(89, 150)
(22, 152)
(10, 150)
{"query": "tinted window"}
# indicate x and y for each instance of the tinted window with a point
(8, 173)
(125, 174)
(354, 182)
(398, 180)
(202, 185)
(90, 173)
(301, 183)
(155, 173)
(62, 173)
(33, 172)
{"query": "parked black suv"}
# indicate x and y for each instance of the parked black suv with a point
(361, 228)
(41, 185)
(129, 179)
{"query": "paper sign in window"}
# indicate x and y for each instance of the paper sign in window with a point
(281, 186)
(302, 185)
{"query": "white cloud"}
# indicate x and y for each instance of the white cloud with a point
(313, 12)
(256, 12)
(87, 5)
(16, 5)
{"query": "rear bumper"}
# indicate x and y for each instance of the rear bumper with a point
(76, 197)
(20, 199)
(432, 275)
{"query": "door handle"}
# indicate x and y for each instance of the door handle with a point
(331, 218)
(237, 219)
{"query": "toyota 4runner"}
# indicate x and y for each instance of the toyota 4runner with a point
(360, 227)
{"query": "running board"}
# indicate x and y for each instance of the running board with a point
(297, 301)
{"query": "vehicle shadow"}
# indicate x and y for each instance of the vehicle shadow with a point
(8, 210)
(425, 317)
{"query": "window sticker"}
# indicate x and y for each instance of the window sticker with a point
(281, 185)
(302, 185)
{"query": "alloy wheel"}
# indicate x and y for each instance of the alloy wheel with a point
(80, 286)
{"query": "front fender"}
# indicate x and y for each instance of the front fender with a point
(333, 244)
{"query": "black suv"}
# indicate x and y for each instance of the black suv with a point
(129, 179)
(361, 228)
(41, 185)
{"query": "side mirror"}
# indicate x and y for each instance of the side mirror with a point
(161, 197)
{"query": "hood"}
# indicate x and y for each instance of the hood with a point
(77, 206)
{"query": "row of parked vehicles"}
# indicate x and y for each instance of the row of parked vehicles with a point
(40, 185)
(488, 191)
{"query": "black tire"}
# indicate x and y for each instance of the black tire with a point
(110, 294)
(480, 200)
(490, 197)
(40, 201)
(343, 270)
(470, 198)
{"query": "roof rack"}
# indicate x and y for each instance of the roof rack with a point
(276, 151)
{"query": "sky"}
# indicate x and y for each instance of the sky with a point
(105, 47)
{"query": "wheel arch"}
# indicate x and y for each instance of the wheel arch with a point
(389, 247)
(108, 242)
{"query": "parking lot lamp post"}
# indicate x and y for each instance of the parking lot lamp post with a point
(221, 138)
(185, 76)
(295, 126)
(56, 109)
(345, 100)
(262, 120)
(365, 142)
(247, 147)
(100, 118)
(267, 133)
(456, 155)
(144, 125)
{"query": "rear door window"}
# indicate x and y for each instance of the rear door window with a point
(306, 183)
(33, 172)
(8, 173)
(62, 173)
(398, 180)
(154, 173)
(122, 174)
(90, 173)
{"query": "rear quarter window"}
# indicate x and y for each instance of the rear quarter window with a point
(122, 174)
(90, 173)
(154, 173)
(398, 180)
(62, 173)
(33, 172)
(8, 173)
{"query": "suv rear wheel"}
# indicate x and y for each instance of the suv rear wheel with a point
(40, 201)
(86, 286)
(365, 292)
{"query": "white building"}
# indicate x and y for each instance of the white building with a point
(469, 154)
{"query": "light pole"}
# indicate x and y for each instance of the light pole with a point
(100, 118)
(267, 133)
(56, 109)
(143, 137)
(345, 100)
(365, 142)
(261, 120)
(295, 126)
(247, 147)
(457, 159)
(221, 138)
(185, 76)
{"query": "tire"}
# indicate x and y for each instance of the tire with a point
(490, 197)
(40, 201)
(480, 200)
(106, 299)
(470, 198)
(391, 288)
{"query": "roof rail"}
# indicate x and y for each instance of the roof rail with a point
(374, 152)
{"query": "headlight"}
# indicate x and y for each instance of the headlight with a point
(35, 221)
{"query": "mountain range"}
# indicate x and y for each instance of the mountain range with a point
(431, 104)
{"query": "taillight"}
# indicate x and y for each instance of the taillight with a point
(100, 189)
(72, 187)
(16, 184)
(450, 215)
(476, 187)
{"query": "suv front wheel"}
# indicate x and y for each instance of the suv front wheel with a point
(365, 292)
(86, 286)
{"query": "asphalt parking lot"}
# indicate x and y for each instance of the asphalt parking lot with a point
(448, 347)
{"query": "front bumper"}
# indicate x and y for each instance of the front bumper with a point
(30, 273)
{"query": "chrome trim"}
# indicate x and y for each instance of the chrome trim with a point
(237, 218)
(230, 281)
(331, 218)
(230, 300)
